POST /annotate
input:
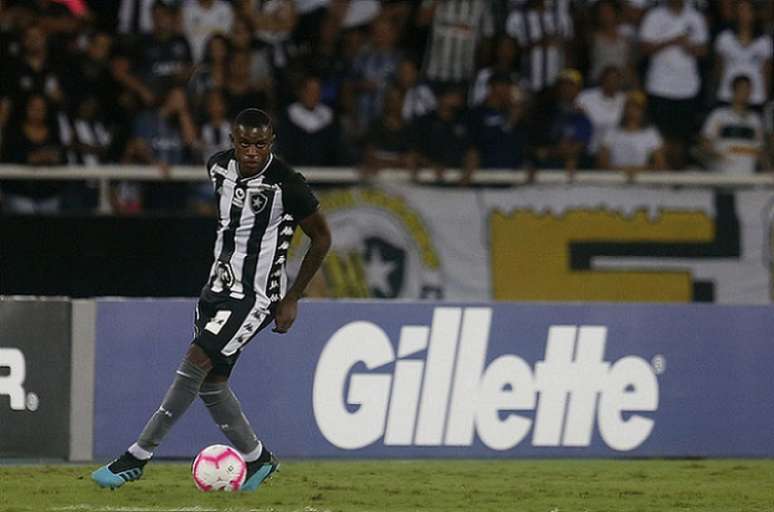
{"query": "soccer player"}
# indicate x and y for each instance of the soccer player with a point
(260, 200)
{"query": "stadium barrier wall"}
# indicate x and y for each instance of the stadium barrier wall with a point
(367, 379)
(422, 379)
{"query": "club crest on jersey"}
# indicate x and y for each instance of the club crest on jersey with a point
(239, 197)
(257, 201)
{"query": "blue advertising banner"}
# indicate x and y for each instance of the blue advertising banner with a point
(422, 379)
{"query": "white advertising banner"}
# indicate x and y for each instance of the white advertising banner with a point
(548, 243)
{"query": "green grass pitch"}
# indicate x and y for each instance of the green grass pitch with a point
(449, 485)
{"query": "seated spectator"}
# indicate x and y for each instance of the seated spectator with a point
(272, 22)
(91, 76)
(130, 88)
(162, 137)
(497, 133)
(744, 50)
(569, 130)
(351, 134)
(309, 134)
(33, 73)
(310, 17)
(213, 70)
(165, 55)
(504, 63)
(216, 127)
(86, 134)
(330, 64)
(259, 62)
(440, 139)
(215, 136)
(373, 69)
(603, 105)
(633, 145)
(732, 137)
(203, 18)
(35, 142)
(387, 143)
(674, 37)
(610, 45)
(418, 98)
(241, 92)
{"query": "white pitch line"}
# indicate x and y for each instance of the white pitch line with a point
(90, 508)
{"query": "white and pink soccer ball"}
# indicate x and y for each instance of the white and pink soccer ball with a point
(219, 468)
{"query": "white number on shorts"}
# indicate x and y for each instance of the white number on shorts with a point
(217, 322)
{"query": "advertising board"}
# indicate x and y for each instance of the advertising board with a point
(423, 379)
(34, 378)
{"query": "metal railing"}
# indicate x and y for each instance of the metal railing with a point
(105, 174)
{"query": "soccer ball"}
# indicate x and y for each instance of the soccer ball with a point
(219, 468)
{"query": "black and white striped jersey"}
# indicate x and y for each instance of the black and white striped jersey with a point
(530, 27)
(458, 26)
(257, 216)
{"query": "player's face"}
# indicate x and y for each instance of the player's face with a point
(252, 146)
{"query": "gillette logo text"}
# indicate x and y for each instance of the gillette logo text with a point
(452, 395)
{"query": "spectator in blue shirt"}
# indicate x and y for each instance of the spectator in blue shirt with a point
(374, 68)
(440, 138)
(569, 130)
(497, 133)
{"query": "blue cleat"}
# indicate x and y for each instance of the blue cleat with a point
(124, 469)
(259, 471)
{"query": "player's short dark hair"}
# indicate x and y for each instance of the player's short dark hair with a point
(253, 118)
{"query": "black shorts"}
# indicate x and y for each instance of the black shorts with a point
(223, 326)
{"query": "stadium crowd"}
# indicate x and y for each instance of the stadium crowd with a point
(630, 85)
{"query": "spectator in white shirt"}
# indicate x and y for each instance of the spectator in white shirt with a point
(418, 98)
(744, 50)
(632, 146)
(202, 19)
(732, 137)
(603, 105)
(674, 36)
(611, 45)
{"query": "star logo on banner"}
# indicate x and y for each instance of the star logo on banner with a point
(378, 271)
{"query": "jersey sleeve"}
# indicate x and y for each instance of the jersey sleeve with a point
(298, 199)
(211, 162)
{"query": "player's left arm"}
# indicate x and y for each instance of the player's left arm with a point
(316, 228)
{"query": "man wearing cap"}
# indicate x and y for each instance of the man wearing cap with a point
(567, 128)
